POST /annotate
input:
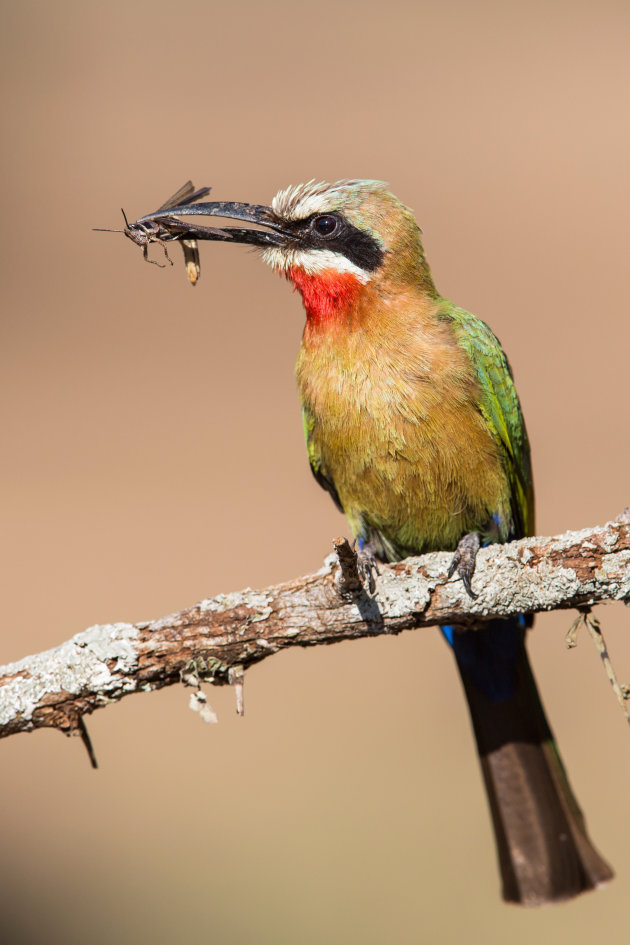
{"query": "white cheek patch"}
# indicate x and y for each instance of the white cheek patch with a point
(312, 262)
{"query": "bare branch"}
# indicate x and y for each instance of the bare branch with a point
(219, 638)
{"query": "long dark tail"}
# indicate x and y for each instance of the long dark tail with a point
(544, 851)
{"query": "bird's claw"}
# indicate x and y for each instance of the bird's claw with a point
(464, 560)
(367, 567)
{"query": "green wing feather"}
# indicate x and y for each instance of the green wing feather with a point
(501, 409)
(315, 459)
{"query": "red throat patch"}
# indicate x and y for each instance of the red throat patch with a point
(327, 295)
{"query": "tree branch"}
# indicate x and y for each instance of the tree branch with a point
(217, 639)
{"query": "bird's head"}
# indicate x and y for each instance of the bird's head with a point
(353, 227)
(332, 240)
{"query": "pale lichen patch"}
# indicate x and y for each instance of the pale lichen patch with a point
(221, 602)
(80, 665)
(247, 598)
(330, 563)
(396, 600)
(261, 615)
(111, 642)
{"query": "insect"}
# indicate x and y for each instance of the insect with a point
(146, 230)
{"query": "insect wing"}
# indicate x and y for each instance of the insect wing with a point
(185, 195)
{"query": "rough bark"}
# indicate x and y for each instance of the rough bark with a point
(217, 639)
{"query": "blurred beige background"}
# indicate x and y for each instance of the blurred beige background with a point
(153, 454)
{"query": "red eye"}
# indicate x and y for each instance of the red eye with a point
(326, 225)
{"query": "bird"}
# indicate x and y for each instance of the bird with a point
(414, 426)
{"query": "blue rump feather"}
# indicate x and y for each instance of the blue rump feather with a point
(489, 656)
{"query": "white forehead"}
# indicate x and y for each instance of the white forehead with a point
(299, 202)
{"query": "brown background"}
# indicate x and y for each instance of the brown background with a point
(153, 454)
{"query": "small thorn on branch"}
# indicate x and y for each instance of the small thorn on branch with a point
(348, 580)
(78, 727)
(236, 678)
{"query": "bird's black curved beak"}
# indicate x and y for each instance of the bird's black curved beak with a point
(274, 233)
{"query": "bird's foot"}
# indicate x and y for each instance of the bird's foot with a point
(464, 561)
(367, 567)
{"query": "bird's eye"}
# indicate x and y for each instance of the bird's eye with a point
(325, 225)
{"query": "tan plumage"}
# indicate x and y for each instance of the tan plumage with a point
(392, 400)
